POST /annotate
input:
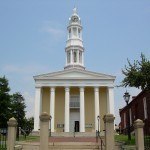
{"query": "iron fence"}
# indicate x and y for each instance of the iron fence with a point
(3, 138)
(147, 141)
(147, 136)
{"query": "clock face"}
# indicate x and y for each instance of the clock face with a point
(74, 19)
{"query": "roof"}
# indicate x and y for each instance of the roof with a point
(133, 100)
(74, 74)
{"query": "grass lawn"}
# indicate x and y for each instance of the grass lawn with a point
(124, 138)
(29, 138)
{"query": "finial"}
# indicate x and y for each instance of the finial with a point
(75, 10)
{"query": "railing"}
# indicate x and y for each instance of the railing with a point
(146, 141)
(3, 138)
(74, 104)
(146, 135)
(101, 140)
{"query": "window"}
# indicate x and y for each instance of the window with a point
(80, 57)
(130, 113)
(145, 107)
(69, 33)
(79, 33)
(68, 57)
(124, 120)
(74, 101)
(75, 31)
(75, 56)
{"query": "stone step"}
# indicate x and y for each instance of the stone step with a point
(62, 146)
(70, 134)
(73, 146)
(66, 146)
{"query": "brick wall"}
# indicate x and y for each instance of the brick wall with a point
(136, 107)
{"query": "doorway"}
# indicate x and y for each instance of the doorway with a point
(76, 126)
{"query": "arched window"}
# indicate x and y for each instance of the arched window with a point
(68, 57)
(75, 31)
(75, 56)
(69, 33)
(80, 57)
(79, 33)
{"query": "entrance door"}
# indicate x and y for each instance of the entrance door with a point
(74, 116)
(76, 126)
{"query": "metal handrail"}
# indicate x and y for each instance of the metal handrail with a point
(98, 136)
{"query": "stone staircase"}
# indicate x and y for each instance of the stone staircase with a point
(71, 141)
(74, 146)
(61, 146)
(66, 146)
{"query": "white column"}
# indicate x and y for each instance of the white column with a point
(67, 112)
(52, 107)
(97, 110)
(110, 100)
(82, 111)
(38, 108)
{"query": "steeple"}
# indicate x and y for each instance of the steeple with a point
(74, 46)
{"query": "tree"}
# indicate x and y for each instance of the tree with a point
(137, 74)
(29, 125)
(18, 109)
(5, 106)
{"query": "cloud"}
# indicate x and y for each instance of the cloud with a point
(53, 29)
(54, 32)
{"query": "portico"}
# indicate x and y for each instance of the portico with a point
(95, 89)
(74, 97)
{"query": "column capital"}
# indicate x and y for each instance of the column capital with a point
(38, 87)
(52, 89)
(96, 89)
(81, 89)
(67, 89)
(110, 87)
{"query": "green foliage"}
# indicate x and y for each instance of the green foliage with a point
(18, 108)
(10, 105)
(124, 139)
(5, 106)
(137, 74)
(29, 125)
(29, 138)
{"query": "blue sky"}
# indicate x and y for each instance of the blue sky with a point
(33, 36)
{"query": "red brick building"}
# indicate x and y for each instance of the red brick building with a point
(138, 108)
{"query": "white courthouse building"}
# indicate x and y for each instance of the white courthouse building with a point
(74, 97)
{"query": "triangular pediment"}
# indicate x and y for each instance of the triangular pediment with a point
(74, 74)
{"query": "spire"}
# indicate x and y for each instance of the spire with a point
(74, 46)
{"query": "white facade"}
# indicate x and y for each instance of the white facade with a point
(73, 75)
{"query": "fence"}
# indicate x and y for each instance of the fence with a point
(146, 136)
(3, 138)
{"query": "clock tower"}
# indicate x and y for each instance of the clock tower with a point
(74, 46)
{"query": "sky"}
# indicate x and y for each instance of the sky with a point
(33, 37)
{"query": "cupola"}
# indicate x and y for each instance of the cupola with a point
(74, 45)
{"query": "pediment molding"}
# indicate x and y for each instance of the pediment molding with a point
(74, 74)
